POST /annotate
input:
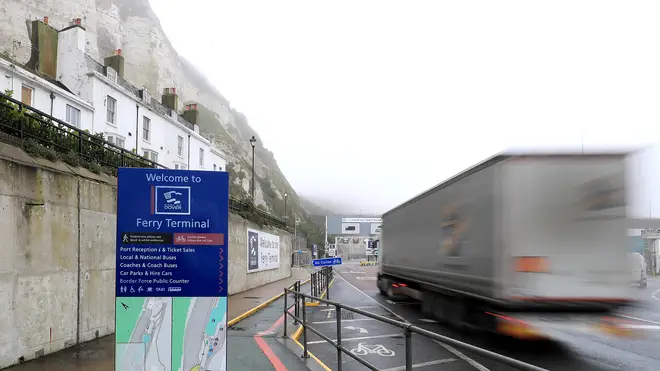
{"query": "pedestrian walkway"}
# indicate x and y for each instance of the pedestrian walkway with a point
(251, 343)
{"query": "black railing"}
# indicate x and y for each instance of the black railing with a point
(408, 329)
(21, 124)
(320, 282)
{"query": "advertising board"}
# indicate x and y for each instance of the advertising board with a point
(263, 251)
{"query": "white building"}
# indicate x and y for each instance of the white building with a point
(95, 97)
(44, 94)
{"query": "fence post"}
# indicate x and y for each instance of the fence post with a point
(409, 364)
(304, 325)
(327, 285)
(297, 298)
(286, 311)
(338, 313)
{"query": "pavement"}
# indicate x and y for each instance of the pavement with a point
(383, 345)
(252, 344)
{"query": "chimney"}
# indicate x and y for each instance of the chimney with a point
(44, 49)
(190, 113)
(116, 62)
(170, 99)
(71, 67)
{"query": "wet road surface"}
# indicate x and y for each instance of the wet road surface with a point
(572, 351)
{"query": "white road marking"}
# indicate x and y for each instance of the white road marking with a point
(361, 329)
(642, 327)
(358, 338)
(655, 295)
(366, 278)
(639, 319)
(372, 299)
(344, 320)
(364, 349)
(423, 364)
(462, 356)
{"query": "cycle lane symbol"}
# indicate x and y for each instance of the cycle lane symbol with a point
(364, 349)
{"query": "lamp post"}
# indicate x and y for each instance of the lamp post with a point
(253, 142)
(286, 216)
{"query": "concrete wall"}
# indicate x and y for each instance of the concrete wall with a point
(57, 256)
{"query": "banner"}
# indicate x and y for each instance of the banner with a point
(263, 251)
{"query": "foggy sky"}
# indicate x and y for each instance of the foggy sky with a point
(371, 102)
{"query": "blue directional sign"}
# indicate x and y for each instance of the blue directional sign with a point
(171, 267)
(172, 233)
(326, 261)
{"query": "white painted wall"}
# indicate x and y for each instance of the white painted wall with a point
(13, 78)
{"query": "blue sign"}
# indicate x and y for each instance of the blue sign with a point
(326, 261)
(172, 238)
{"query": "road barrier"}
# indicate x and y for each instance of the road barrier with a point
(368, 263)
(301, 306)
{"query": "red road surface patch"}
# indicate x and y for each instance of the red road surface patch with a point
(272, 357)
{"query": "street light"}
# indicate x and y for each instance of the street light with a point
(286, 216)
(253, 142)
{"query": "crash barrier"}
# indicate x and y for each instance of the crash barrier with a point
(320, 282)
(368, 263)
(409, 330)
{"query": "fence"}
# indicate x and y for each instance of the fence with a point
(24, 125)
(320, 282)
(300, 310)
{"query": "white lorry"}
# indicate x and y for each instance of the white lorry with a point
(520, 244)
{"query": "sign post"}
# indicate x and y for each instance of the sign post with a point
(171, 270)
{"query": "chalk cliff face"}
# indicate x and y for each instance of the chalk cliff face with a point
(152, 62)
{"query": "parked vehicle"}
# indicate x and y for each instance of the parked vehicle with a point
(520, 244)
(638, 269)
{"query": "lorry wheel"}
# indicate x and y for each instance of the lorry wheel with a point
(380, 284)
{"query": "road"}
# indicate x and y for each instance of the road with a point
(572, 351)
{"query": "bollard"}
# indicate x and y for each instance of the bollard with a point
(327, 287)
(338, 312)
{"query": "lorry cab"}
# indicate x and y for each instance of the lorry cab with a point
(637, 264)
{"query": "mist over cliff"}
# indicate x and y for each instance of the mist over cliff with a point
(152, 62)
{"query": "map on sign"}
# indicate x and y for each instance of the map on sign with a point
(144, 337)
(199, 329)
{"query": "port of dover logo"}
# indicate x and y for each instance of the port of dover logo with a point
(170, 200)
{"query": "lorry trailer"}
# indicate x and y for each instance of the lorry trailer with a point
(522, 244)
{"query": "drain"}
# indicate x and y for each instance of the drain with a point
(251, 297)
(347, 315)
(235, 328)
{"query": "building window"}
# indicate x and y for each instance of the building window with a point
(215, 167)
(73, 116)
(111, 112)
(179, 146)
(201, 157)
(26, 95)
(179, 167)
(151, 155)
(146, 128)
(116, 140)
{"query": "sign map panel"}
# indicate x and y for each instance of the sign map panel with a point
(171, 289)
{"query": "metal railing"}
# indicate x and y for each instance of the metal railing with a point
(407, 328)
(320, 282)
(21, 123)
